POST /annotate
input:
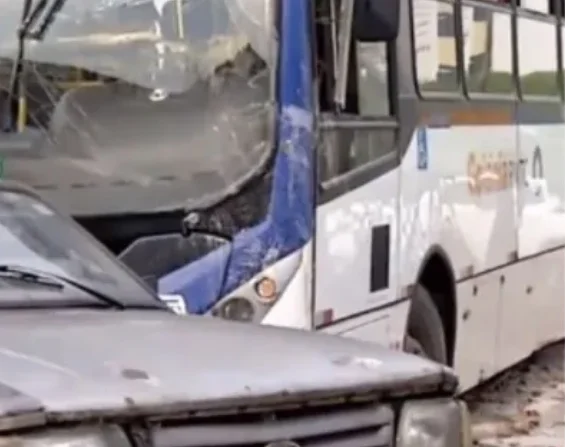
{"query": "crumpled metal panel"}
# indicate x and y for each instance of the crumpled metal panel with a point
(289, 221)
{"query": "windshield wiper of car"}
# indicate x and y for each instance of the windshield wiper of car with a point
(30, 16)
(48, 279)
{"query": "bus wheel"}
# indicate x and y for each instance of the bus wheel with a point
(425, 335)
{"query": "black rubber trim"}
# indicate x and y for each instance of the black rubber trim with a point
(380, 258)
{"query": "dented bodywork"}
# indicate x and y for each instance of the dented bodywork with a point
(139, 129)
(66, 365)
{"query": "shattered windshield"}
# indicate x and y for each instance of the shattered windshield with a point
(140, 105)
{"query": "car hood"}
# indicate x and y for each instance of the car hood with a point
(69, 365)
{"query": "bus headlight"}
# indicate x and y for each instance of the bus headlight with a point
(434, 423)
(253, 300)
(235, 308)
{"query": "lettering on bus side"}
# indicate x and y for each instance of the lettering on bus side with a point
(489, 172)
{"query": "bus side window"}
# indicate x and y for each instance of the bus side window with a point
(563, 52)
(372, 79)
(557, 7)
(537, 58)
(538, 6)
(433, 24)
(487, 50)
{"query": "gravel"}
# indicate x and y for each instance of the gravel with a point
(523, 407)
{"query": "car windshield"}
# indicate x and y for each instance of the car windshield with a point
(141, 105)
(33, 236)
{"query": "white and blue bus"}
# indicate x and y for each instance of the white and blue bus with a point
(391, 171)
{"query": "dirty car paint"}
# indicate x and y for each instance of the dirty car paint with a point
(116, 363)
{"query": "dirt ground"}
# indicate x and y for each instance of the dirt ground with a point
(525, 407)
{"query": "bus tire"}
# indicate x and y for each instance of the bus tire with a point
(425, 334)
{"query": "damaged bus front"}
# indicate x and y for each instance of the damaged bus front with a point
(180, 133)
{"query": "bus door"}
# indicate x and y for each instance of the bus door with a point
(356, 204)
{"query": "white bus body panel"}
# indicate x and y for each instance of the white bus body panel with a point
(343, 249)
(293, 309)
(510, 288)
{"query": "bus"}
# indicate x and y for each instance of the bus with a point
(390, 171)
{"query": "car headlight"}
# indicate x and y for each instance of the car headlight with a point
(110, 436)
(434, 423)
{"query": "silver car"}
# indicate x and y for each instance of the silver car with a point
(90, 357)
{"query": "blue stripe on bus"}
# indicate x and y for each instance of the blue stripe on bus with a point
(288, 224)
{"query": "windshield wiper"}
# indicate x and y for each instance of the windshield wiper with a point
(48, 279)
(19, 274)
(30, 16)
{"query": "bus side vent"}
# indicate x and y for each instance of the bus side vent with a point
(380, 257)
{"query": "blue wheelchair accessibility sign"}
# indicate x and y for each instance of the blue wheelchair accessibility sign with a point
(422, 146)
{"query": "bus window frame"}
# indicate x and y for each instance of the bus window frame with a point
(343, 56)
(495, 7)
(339, 119)
(515, 12)
(559, 9)
(344, 45)
(458, 93)
(557, 23)
(359, 175)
